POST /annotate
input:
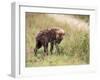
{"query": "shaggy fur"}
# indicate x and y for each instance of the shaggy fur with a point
(53, 36)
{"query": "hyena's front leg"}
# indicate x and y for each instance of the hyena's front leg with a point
(57, 47)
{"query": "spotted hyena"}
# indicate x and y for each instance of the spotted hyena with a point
(54, 36)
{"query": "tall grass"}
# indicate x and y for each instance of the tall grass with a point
(74, 49)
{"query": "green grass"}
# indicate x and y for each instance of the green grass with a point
(74, 49)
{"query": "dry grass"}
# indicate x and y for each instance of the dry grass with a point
(74, 49)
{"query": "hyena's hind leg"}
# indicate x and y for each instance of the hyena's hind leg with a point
(51, 47)
(38, 45)
(46, 49)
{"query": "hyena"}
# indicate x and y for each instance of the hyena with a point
(54, 36)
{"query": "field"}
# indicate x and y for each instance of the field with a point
(74, 49)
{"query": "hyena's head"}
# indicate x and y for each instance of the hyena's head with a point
(60, 33)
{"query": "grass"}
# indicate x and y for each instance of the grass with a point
(74, 49)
